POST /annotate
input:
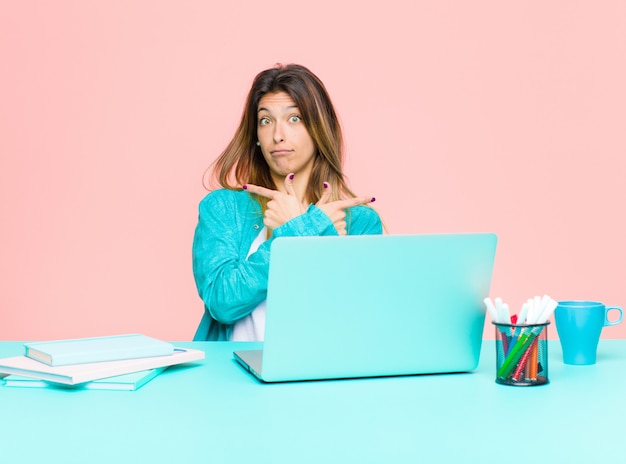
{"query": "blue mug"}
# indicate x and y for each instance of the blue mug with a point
(579, 325)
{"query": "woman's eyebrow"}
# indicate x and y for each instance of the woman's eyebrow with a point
(292, 107)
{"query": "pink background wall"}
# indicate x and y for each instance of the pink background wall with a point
(459, 117)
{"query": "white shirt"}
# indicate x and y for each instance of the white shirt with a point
(252, 327)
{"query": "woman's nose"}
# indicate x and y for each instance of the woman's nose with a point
(278, 134)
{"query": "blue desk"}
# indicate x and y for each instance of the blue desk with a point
(215, 412)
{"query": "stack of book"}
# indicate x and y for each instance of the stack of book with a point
(120, 362)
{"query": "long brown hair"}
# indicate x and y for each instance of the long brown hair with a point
(242, 161)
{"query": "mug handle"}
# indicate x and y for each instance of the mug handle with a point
(618, 320)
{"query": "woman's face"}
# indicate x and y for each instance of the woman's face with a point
(285, 142)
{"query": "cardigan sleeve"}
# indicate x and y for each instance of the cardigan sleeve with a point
(363, 220)
(230, 286)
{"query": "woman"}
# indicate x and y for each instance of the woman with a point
(281, 175)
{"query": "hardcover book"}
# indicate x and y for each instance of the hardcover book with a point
(78, 373)
(88, 350)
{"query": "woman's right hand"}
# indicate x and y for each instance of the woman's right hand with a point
(281, 206)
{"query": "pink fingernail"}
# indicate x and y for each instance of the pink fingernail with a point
(373, 200)
(245, 187)
(325, 185)
(290, 176)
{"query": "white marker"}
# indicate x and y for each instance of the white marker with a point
(523, 313)
(491, 309)
(502, 312)
(547, 312)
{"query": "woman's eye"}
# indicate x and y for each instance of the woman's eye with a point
(295, 119)
(264, 121)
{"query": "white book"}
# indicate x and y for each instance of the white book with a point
(129, 382)
(78, 373)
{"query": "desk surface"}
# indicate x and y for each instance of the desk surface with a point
(214, 411)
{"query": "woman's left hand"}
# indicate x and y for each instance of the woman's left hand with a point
(336, 210)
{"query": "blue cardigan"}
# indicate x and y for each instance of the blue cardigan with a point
(230, 285)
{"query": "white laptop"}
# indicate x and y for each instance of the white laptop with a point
(373, 305)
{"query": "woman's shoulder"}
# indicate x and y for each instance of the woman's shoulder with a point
(228, 202)
(226, 196)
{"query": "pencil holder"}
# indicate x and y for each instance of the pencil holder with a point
(522, 354)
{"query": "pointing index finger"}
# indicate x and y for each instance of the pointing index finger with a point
(258, 190)
(356, 201)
